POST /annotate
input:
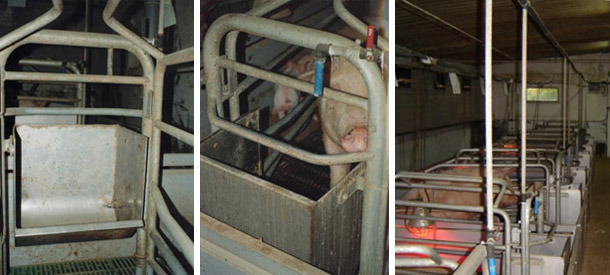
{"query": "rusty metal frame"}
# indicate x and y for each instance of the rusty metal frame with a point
(152, 126)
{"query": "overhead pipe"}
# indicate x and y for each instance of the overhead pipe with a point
(356, 24)
(125, 32)
(32, 26)
(545, 31)
(437, 19)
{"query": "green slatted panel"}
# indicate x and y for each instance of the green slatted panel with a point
(115, 266)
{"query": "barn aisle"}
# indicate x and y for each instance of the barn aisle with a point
(597, 243)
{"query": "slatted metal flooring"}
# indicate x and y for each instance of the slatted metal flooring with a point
(301, 177)
(116, 266)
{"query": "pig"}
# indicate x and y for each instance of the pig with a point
(461, 198)
(343, 126)
(285, 98)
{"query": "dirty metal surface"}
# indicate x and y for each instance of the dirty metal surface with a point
(233, 149)
(116, 266)
(78, 174)
(67, 252)
(301, 177)
(325, 233)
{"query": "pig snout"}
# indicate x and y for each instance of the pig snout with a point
(355, 140)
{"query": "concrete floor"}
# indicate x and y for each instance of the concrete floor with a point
(597, 243)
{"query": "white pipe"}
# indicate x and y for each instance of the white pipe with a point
(524, 206)
(523, 97)
(161, 26)
(564, 101)
(488, 116)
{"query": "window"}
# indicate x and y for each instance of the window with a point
(403, 76)
(543, 94)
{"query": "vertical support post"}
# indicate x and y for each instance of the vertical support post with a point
(488, 117)
(580, 103)
(109, 61)
(564, 102)
(524, 205)
(154, 158)
(488, 135)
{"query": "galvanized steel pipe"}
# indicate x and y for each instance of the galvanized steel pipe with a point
(109, 61)
(32, 26)
(356, 24)
(173, 131)
(75, 78)
(174, 232)
(125, 32)
(423, 262)
(167, 253)
(25, 111)
(300, 85)
(231, 51)
(488, 115)
(473, 261)
(375, 187)
(420, 249)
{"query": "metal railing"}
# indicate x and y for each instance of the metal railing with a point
(375, 189)
(150, 113)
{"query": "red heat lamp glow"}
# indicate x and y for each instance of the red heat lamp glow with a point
(420, 227)
(420, 232)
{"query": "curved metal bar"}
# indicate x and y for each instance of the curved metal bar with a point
(423, 262)
(175, 233)
(419, 249)
(356, 24)
(125, 32)
(231, 52)
(475, 209)
(376, 184)
(32, 26)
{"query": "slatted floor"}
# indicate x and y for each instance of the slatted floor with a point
(300, 177)
(116, 266)
(597, 242)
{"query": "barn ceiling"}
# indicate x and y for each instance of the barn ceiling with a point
(580, 26)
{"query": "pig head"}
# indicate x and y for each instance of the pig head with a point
(344, 127)
(286, 98)
(458, 197)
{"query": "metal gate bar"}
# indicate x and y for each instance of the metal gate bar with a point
(375, 188)
(150, 112)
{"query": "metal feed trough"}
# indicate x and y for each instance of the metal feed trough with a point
(324, 232)
(85, 179)
(88, 182)
(236, 193)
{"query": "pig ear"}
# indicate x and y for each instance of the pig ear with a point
(307, 64)
(288, 67)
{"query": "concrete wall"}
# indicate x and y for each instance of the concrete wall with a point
(548, 73)
(435, 146)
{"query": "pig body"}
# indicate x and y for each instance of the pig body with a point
(343, 126)
(461, 198)
(286, 98)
